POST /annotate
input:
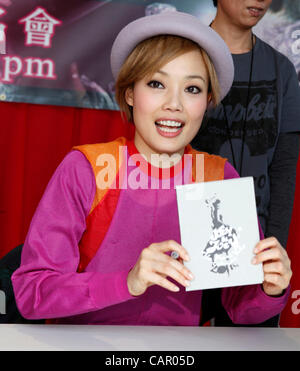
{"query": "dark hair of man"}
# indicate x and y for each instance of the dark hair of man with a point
(215, 3)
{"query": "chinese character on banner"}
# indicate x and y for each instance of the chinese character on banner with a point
(39, 27)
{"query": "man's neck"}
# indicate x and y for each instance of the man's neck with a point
(238, 40)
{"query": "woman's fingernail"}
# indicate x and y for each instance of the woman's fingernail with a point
(187, 283)
(191, 276)
(254, 260)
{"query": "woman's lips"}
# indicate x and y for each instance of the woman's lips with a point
(169, 128)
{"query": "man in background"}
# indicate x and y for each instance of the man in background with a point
(256, 126)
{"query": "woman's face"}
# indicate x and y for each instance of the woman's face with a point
(168, 107)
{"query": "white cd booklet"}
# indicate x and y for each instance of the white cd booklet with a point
(219, 229)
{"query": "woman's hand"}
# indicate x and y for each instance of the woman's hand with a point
(276, 265)
(154, 266)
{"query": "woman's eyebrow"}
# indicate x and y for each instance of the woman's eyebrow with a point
(189, 77)
(162, 72)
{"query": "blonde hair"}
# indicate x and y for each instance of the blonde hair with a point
(149, 56)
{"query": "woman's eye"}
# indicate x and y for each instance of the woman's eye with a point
(193, 90)
(155, 84)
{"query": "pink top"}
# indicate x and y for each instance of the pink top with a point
(47, 285)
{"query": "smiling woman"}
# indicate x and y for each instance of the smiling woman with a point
(95, 256)
(149, 56)
(169, 105)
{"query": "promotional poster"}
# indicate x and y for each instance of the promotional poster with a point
(51, 54)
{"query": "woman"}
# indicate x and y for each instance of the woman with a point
(98, 249)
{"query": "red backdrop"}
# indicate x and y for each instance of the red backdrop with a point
(33, 141)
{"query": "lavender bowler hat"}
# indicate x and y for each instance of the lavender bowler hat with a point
(178, 24)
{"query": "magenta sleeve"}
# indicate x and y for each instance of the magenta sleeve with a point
(47, 284)
(251, 305)
(229, 171)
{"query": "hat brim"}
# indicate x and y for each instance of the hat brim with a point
(179, 24)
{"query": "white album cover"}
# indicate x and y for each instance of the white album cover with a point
(219, 229)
